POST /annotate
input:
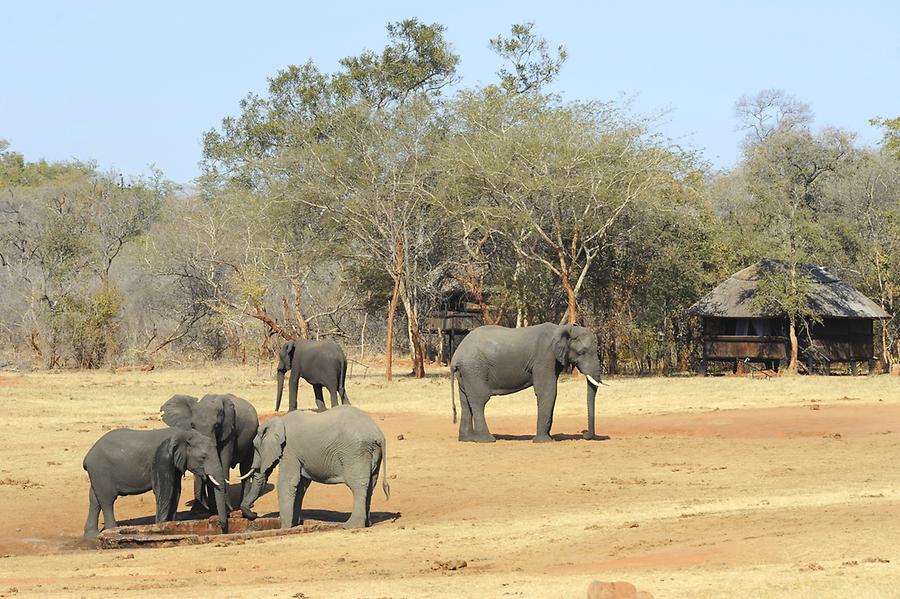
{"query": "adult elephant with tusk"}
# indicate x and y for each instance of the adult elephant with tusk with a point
(495, 360)
(131, 462)
(230, 421)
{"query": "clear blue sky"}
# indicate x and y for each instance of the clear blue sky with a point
(128, 84)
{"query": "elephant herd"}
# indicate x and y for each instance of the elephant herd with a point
(212, 435)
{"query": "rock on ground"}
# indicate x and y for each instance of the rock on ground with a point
(615, 590)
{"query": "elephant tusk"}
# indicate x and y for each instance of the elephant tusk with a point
(246, 475)
(215, 482)
(592, 381)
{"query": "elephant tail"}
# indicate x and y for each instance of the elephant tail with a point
(453, 390)
(342, 383)
(385, 485)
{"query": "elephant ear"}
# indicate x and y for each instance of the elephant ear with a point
(169, 463)
(560, 344)
(227, 421)
(178, 410)
(269, 444)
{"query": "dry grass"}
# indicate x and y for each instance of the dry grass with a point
(708, 487)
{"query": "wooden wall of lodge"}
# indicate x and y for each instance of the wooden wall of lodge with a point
(837, 339)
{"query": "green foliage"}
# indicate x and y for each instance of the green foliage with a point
(87, 325)
(417, 58)
(529, 57)
(890, 140)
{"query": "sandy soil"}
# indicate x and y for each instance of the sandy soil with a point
(704, 488)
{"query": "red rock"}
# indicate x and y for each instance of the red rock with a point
(611, 590)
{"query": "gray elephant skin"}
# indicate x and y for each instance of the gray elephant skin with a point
(342, 445)
(131, 462)
(321, 363)
(230, 421)
(495, 360)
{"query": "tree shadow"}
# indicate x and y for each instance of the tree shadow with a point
(556, 437)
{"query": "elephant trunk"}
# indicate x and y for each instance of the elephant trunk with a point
(259, 480)
(222, 507)
(591, 372)
(591, 398)
(216, 475)
(280, 389)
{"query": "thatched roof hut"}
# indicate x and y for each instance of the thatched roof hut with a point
(738, 328)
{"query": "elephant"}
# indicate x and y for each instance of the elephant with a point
(230, 420)
(495, 360)
(130, 462)
(342, 445)
(321, 363)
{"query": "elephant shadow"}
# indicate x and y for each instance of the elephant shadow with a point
(339, 517)
(233, 492)
(556, 437)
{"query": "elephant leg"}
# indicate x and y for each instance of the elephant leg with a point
(320, 400)
(293, 383)
(91, 526)
(334, 396)
(358, 516)
(476, 395)
(288, 482)
(199, 504)
(302, 486)
(109, 514)
(176, 497)
(466, 430)
(546, 401)
(373, 483)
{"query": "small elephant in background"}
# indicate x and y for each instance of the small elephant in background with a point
(321, 363)
(230, 421)
(131, 462)
(342, 445)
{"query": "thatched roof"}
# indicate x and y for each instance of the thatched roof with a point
(829, 297)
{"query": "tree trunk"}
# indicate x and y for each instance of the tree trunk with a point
(795, 350)
(392, 310)
(571, 299)
(416, 342)
(521, 318)
(298, 308)
(473, 282)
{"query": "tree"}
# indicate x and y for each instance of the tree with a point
(560, 174)
(786, 176)
(769, 111)
(350, 149)
(890, 140)
(529, 56)
(63, 226)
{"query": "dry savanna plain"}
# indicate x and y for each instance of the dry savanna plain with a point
(705, 487)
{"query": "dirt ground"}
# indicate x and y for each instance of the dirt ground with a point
(705, 488)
